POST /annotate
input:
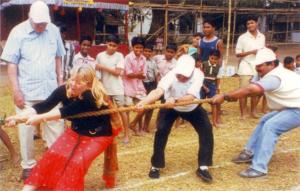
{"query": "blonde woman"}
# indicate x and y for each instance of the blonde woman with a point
(65, 164)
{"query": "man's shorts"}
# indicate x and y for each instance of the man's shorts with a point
(212, 86)
(245, 80)
(133, 100)
(119, 100)
(149, 86)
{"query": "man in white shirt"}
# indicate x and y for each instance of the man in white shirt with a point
(283, 97)
(246, 48)
(183, 83)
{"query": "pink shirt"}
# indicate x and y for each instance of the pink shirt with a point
(134, 87)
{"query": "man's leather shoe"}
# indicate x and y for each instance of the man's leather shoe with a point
(244, 157)
(204, 175)
(154, 173)
(25, 173)
(251, 173)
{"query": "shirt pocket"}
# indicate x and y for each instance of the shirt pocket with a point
(52, 47)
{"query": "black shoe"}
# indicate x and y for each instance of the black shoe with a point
(154, 173)
(36, 137)
(25, 173)
(204, 175)
(244, 157)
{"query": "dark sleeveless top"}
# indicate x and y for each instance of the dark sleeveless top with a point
(207, 46)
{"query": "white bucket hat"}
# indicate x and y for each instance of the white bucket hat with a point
(185, 65)
(39, 12)
(264, 55)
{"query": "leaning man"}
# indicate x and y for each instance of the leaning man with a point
(282, 91)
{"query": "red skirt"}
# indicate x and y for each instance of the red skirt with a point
(65, 164)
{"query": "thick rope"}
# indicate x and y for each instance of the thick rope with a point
(133, 108)
(127, 109)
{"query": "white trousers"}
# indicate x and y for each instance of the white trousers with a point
(51, 130)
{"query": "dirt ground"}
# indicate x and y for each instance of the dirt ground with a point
(181, 152)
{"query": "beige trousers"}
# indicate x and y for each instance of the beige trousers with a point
(51, 130)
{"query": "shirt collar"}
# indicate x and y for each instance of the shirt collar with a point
(133, 56)
(29, 28)
(210, 65)
(258, 34)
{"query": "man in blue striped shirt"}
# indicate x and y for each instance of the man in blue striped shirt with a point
(33, 52)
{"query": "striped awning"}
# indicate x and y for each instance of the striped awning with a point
(98, 4)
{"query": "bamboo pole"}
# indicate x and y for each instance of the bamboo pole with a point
(214, 9)
(126, 27)
(166, 24)
(273, 29)
(223, 25)
(228, 33)
(234, 23)
(287, 29)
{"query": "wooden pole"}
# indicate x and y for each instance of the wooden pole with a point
(228, 33)
(78, 24)
(166, 24)
(287, 29)
(273, 29)
(126, 27)
(234, 23)
(223, 25)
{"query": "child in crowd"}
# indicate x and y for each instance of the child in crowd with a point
(166, 62)
(193, 49)
(134, 72)
(67, 59)
(289, 63)
(111, 65)
(82, 57)
(211, 84)
(297, 64)
(150, 82)
(5, 139)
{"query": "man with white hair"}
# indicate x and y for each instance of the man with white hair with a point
(282, 90)
(183, 83)
(33, 52)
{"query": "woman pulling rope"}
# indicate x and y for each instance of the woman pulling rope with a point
(65, 164)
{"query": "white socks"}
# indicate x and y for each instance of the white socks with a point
(203, 168)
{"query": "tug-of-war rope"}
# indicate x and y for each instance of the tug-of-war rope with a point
(134, 108)
(127, 109)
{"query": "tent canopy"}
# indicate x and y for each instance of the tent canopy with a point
(98, 4)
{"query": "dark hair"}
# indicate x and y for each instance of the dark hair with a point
(252, 18)
(172, 46)
(63, 29)
(85, 37)
(298, 56)
(148, 46)
(273, 48)
(215, 53)
(276, 62)
(210, 21)
(198, 34)
(113, 38)
(138, 40)
(288, 60)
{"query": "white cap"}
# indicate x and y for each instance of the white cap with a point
(39, 12)
(264, 55)
(185, 65)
